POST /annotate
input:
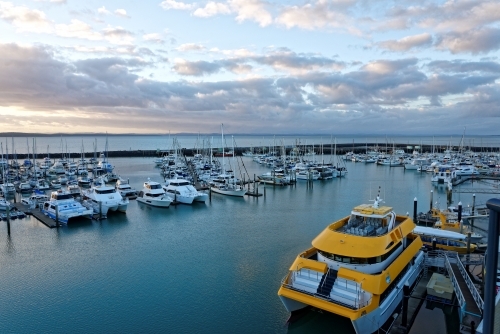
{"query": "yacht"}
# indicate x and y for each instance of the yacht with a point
(181, 191)
(125, 189)
(154, 195)
(63, 207)
(103, 198)
(357, 268)
(42, 185)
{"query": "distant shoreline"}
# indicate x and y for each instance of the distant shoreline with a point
(84, 134)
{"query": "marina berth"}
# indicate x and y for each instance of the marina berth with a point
(357, 268)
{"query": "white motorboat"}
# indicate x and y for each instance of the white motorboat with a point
(42, 185)
(74, 190)
(25, 188)
(83, 181)
(62, 207)
(8, 188)
(55, 184)
(103, 198)
(4, 204)
(63, 179)
(154, 195)
(125, 189)
(182, 191)
(35, 200)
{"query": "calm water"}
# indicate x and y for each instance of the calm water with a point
(73, 144)
(213, 267)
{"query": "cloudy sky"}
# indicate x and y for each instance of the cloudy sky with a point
(274, 67)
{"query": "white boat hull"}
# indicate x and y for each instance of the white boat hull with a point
(155, 202)
(228, 192)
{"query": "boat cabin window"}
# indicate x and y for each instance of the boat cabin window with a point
(153, 195)
(107, 191)
(360, 260)
(62, 196)
(154, 186)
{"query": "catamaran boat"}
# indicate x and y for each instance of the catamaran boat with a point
(63, 206)
(182, 191)
(125, 189)
(103, 198)
(154, 195)
(357, 268)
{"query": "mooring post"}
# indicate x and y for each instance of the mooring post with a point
(433, 243)
(415, 210)
(432, 193)
(491, 262)
(57, 215)
(100, 210)
(264, 192)
(7, 212)
(210, 194)
(473, 213)
(459, 217)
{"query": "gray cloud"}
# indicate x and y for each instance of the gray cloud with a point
(474, 41)
(379, 96)
(407, 43)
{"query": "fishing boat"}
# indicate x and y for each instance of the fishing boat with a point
(357, 268)
(443, 239)
(153, 194)
(63, 207)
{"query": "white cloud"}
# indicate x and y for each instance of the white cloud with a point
(190, 47)
(102, 10)
(172, 4)
(252, 10)
(77, 29)
(154, 37)
(212, 8)
(24, 18)
(121, 12)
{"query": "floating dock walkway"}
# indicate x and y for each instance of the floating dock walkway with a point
(47, 221)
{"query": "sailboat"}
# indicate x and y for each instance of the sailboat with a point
(225, 183)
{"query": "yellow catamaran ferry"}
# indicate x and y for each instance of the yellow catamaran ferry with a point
(357, 268)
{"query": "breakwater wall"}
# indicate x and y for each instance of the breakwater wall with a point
(341, 149)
